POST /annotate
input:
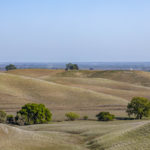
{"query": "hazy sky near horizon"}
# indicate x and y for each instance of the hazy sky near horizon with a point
(74, 30)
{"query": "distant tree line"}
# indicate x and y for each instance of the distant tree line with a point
(69, 66)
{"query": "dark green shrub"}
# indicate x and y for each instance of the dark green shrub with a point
(33, 114)
(72, 116)
(2, 116)
(85, 117)
(10, 119)
(105, 116)
(10, 67)
(139, 106)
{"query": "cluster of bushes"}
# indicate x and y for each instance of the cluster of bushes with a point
(105, 116)
(28, 115)
(102, 116)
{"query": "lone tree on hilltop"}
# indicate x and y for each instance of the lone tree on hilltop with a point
(71, 66)
(139, 106)
(10, 67)
(33, 114)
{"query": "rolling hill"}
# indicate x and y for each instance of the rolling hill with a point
(77, 135)
(13, 138)
(17, 90)
(133, 77)
(84, 91)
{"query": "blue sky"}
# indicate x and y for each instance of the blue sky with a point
(74, 30)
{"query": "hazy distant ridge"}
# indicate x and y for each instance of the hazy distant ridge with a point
(85, 65)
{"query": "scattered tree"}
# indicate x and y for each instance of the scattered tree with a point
(33, 114)
(139, 106)
(10, 67)
(2, 116)
(71, 66)
(105, 116)
(72, 116)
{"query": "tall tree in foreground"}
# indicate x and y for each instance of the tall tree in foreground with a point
(10, 67)
(139, 106)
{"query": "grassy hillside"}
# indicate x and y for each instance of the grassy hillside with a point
(77, 135)
(116, 135)
(106, 86)
(18, 90)
(86, 92)
(134, 77)
(13, 138)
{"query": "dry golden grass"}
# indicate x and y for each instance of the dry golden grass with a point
(55, 96)
(134, 77)
(86, 92)
(78, 135)
(13, 138)
(106, 86)
(35, 72)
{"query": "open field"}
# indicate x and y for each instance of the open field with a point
(77, 135)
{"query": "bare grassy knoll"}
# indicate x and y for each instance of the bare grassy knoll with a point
(115, 89)
(77, 135)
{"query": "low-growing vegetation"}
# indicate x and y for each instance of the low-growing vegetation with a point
(72, 116)
(105, 116)
(85, 117)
